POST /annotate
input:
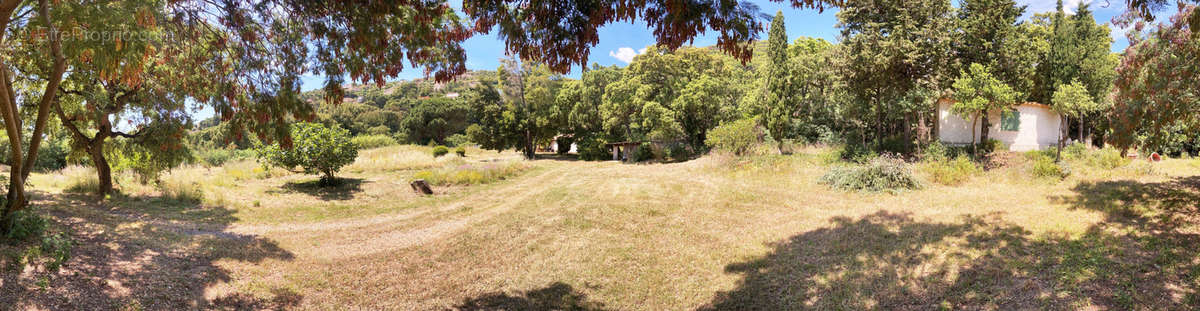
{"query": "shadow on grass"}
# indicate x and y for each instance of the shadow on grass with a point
(143, 253)
(1140, 257)
(556, 296)
(341, 189)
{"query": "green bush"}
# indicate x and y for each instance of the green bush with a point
(373, 141)
(315, 148)
(218, 157)
(592, 149)
(458, 140)
(936, 151)
(856, 153)
(460, 151)
(52, 155)
(26, 224)
(951, 172)
(1045, 167)
(736, 137)
(679, 152)
(880, 174)
(439, 151)
(645, 152)
(563, 144)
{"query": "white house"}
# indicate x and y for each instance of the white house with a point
(1027, 126)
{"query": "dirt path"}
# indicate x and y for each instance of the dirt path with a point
(384, 233)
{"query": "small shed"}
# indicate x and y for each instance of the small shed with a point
(1023, 127)
(622, 151)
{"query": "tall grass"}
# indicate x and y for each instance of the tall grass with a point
(471, 174)
(77, 179)
(881, 174)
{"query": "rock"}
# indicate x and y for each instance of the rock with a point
(421, 187)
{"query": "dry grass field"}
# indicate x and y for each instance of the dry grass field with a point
(715, 233)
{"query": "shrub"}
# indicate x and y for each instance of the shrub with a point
(26, 224)
(458, 140)
(372, 141)
(734, 137)
(379, 130)
(439, 151)
(1107, 158)
(679, 152)
(460, 151)
(645, 152)
(880, 174)
(563, 144)
(316, 148)
(1045, 167)
(951, 172)
(856, 153)
(936, 152)
(52, 155)
(592, 149)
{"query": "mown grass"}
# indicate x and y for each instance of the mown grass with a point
(718, 232)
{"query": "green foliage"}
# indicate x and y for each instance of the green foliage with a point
(951, 172)
(315, 148)
(593, 149)
(435, 119)
(372, 141)
(645, 152)
(460, 151)
(218, 157)
(458, 140)
(679, 152)
(779, 106)
(1073, 100)
(26, 224)
(881, 174)
(737, 137)
(977, 93)
(439, 151)
(1044, 166)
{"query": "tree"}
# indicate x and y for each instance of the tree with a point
(434, 119)
(1144, 9)
(316, 148)
(894, 53)
(560, 34)
(779, 104)
(1157, 85)
(524, 111)
(1070, 100)
(977, 93)
(993, 37)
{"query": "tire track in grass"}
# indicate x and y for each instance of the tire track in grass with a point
(484, 206)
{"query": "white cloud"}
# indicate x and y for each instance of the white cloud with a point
(626, 54)
(1039, 6)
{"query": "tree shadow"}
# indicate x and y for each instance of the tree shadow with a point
(1161, 206)
(556, 296)
(888, 261)
(342, 189)
(125, 257)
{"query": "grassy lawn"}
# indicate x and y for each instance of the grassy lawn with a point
(716, 233)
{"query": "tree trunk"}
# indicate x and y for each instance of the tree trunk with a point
(103, 171)
(529, 152)
(1081, 128)
(985, 125)
(974, 127)
(1061, 138)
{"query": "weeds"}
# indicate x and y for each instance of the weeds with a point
(470, 174)
(951, 172)
(881, 174)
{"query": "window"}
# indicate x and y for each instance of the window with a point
(1010, 120)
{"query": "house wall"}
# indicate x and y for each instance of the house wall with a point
(1039, 128)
